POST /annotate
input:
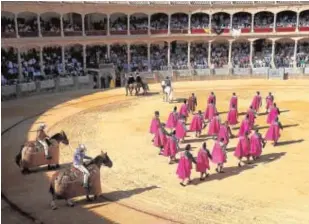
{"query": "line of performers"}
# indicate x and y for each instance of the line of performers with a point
(250, 141)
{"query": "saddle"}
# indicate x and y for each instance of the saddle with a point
(37, 146)
(75, 175)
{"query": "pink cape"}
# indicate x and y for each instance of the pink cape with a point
(243, 147)
(218, 155)
(251, 118)
(211, 98)
(273, 132)
(184, 110)
(234, 101)
(256, 102)
(210, 112)
(170, 148)
(223, 133)
(232, 117)
(202, 161)
(184, 167)
(172, 120)
(244, 127)
(154, 126)
(159, 139)
(255, 145)
(272, 115)
(180, 129)
(197, 123)
(269, 102)
(214, 126)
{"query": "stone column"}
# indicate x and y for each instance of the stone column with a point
(189, 22)
(39, 26)
(275, 22)
(251, 53)
(252, 23)
(41, 61)
(231, 23)
(148, 55)
(297, 21)
(169, 54)
(61, 25)
(210, 16)
(20, 71)
(273, 53)
(108, 51)
(16, 25)
(84, 57)
(230, 53)
(169, 23)
(108, 25)
(128, 25)
(83, 24)
(295, 54)
(209, 54)
(63, 58)
(149, 25)
(189, 53)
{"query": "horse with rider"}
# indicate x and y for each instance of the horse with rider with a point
(167, 90)
(136, 84)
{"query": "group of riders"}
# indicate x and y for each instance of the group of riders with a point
(135, 83)
(78, 157)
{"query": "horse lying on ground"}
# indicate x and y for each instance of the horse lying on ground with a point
(68, 183)
(32, 154)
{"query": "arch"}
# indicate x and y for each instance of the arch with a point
(284, 40)
(25, 23)
(261, 52)
(139, 15)
(116, 15)
(303, 25)
(139, 23)
(181, 27)
(72, 24)
(119, 56)
(25, 48)
(221, 19)
(303, 12)
(50, 24)
(95, 24)
(303, 39)
(158, 27)
(284, 53)
(243, 21)
(52, 59)
(8, 25)
(281, 23)
(27, 15)
(74, 46)
(7, 14)
(199, 20)
(118, 24)
(179, 54)
(240, 55)
(95, 53)
(49, 15)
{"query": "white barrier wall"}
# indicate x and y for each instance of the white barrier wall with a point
(27, 87)
(47, 84)
(66, 81)
(274, 73)
(241, 71)
(306, 71)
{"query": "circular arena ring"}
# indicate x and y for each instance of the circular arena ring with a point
(142, 187)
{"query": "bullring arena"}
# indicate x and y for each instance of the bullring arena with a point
(142, 187)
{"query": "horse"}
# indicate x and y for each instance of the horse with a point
(68, 183)
(32, 154)
(168, 94)
(130, 88)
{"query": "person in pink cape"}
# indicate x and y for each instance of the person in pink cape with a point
(192, 103)
(273, 132)
(181, 129)
(184, 111)
(212, 98)
(202, 161)
(214, 126)
(232, 116)
(273, 114)
(242, 148)
(256, 144)
(225, 132)
(244, 127)
(269, 101)
(218, 155)
(210, 111)
(160, 138)
(172, 119)
(155, 123)
(233, 101)
(197, 123)
(256, 102)
(251, 114)
(171, 147)
(185, 165)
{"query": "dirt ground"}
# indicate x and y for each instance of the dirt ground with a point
(141, 184)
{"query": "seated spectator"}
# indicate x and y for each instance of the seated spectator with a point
(159, 22)
(52, 61)
(221, 20)
(199, 55)
(284, 55)
(199, 21)
(74, 61)
(31, 68)
(219, 55)
(70, 26)
(263, 57)
(50, 26)
(179, 56)
(139, 58)
(96, 55)
(7, 26)
(302, 57)
(179, 22)
(119, 57)
(286, 19)
(264, 20)
(9, 65)
(120, 24)
(241, 55)
(304, 19)
(138, 23)
(242, 20)
(158, 57)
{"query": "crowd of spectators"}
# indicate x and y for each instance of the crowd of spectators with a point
(221, 20)
(52, 61)
(119, 57)
(119, 24)
(95, 25)
(138, 23)
(30, 61)
(7, 25)
(9, 65)
(199, 55)
(72, 25)
(95, 55)
(158, 57)
(242, 20)
(139, 58)
(159, 21)
(286, 19)
(302, 57)
(51, 26)
(240, 55)
(73, 60)
(179, 21)
(304, 19)
(262, 55)
(179, 56)
(199, 21)
(264, 20)
(27, 27)
(219, 55)
(284, 55)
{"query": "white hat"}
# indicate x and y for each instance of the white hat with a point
(82, 147)
(42, 126)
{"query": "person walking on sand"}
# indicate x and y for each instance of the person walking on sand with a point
(202, 161)
(185, 165)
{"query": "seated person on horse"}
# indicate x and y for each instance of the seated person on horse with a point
(79, 156)
(130, 81)
(42, 137)
(138, 79)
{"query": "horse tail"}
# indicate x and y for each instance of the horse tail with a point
(18, 156)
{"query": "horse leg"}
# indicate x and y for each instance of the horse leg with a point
(53, 202)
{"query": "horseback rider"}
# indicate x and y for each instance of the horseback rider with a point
(79, 156)
(41, 138)
(168, 82)
(130, 81)
(138, 78)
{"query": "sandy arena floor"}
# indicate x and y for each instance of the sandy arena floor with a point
(274, 189)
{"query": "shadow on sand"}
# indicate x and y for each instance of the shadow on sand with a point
(289, 142)
(284, 126)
